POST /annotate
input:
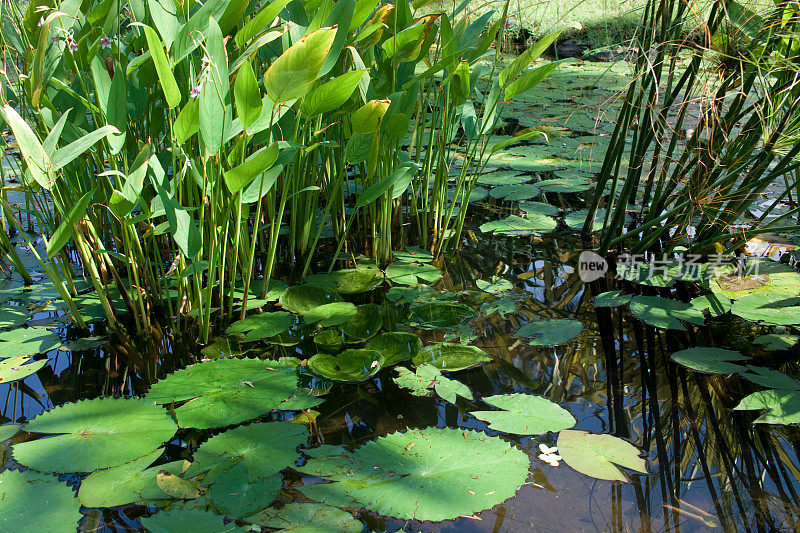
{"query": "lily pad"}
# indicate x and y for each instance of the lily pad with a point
(8, 431)
(577, 219)
(441, 315)
(716, 304)
(503, 178)
(331, 314)
(516, 192)
(598, 455)
(501, 306)
(14, 368)
(36, 502)
(523, 414)
(612, 299)
(710, 360)
(413, 254)
(773, 309)
(565, 185)
(302, 298)
(514, 225)
(260, 326)
(531, 209)
(412, 274)
(225, 391)
(27, 341)
(182, 520)
(420, 474)
(451, 356)
(12, 317)
(297, 517)
(768, 277)
(497, 285)
(429, 379)
(348, 366)
(665, 313)
(329, 341)
(349, 281)
(366, 322)
(780, 406)
(395, 346)
(236, 495)
(767, 377)
(551, 332)
(775, 342)
(94, 434)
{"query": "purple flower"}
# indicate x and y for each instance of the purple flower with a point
(54, 39)
(105, 42)
(195, 92)
(73, 46)
(511, 22)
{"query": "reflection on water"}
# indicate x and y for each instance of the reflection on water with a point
(710, 467)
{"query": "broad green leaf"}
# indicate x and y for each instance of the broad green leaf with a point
(598, 455)
(528, 81)
(260, 22)
(428, 379)
(523, 414)
(331, 95)
(441, 315)
(247, 95)
(93, 434)
(64, 156)
(165, 17)
(24, 341)
(348, 281)
(348, 366)
(260, 326)
(193, 33)
(257, 164)
(365, 120)
(13, 317)
(15, 369)
(378, 189)
(516, 192)
(773, 309)
(64, 231)
(331, 314)
(664, 313)
(774, 342)
(214, 105)
(188, 121)
(780, 406)
(303, 298)
(36, 502)
(611, 299)
(182, 520)
(298, 517)
(8, 431)
(395, 346)
(710, 360)
(451, 356)
(36, 159)
(411, 274)
(551, 331)
(515, 225)
(367, 321)
(767, 377)
(235, 494)
(294, 72)
(163, 68)
(176, 487)
(526, 58)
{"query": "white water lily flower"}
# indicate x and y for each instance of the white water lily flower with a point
(547, 450)
(549, 454)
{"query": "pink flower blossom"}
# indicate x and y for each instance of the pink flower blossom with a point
(105, 42)
(195, 92)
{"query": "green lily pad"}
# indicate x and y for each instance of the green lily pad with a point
(775, 342)
(303, 298)
(411, 274)
(413, 254)
(182, 520)
(223, 347)
(769, 277)
(35, 502)
(349, 281)
(260, 326)
(612, 299)
(174, 486)
(331, 314)
(451, 356)
(329, 341)
(365, 324)
(441, 315)
(348, 366)
(297, 517)
(598, 455)
(8, 431)
(27, 341)
(94, 434)
(551, 332)
(301, 399)
(577, 219)
(773, 309)
(429, 379)
(565, 185)
(514, 225)
(395, 346)
(503, 178)
(132, 482)
(514, 193)
(533, 209)
(420, 474)
(523, 414)
(476, 194)
(716, 304)
(12, 317)
(234, 494)
(496, 286)
(767, 377)
(780, 406)
(501, 306)
(225, 391)
(14, 368)
(665, 313)
(710, 360)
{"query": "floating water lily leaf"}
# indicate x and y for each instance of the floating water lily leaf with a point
(665, 313)
(530, 209)
(94, 434)
(36, 502)
(775, 342)
(367, 321)
(767, 377)
(710, 360)
(501, 306)
(612, 299)
(413, 254)
(348, 366)
(14, 368)
(263, 449)
(329, 340)
(503, 178)
(297, 517)
(235, 495)
(223, 347)
(331, 314)
(496, 286)
(260, 326)
(301, 399)
(514, 193)
(182, 520)
(176, 487)
(27, 341)
(597, 455)
(225, 391)
(769, 277)
(451, 356)
(565, 185)
(8, 431)
(12, 317)
(523, 414)
(303, 298)
(131, 482)
(781, 406)
(476, 194)
(551, 332)
(349, 281)
(428, 378)
(577, 219)
(396, 346)
(514, 225)
(771, 309)
(412, 274)
(716, 304)
(422, 474)
(441, 315)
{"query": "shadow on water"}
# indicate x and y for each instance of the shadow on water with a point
(710, 467)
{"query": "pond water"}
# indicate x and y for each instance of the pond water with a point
(708, 466)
